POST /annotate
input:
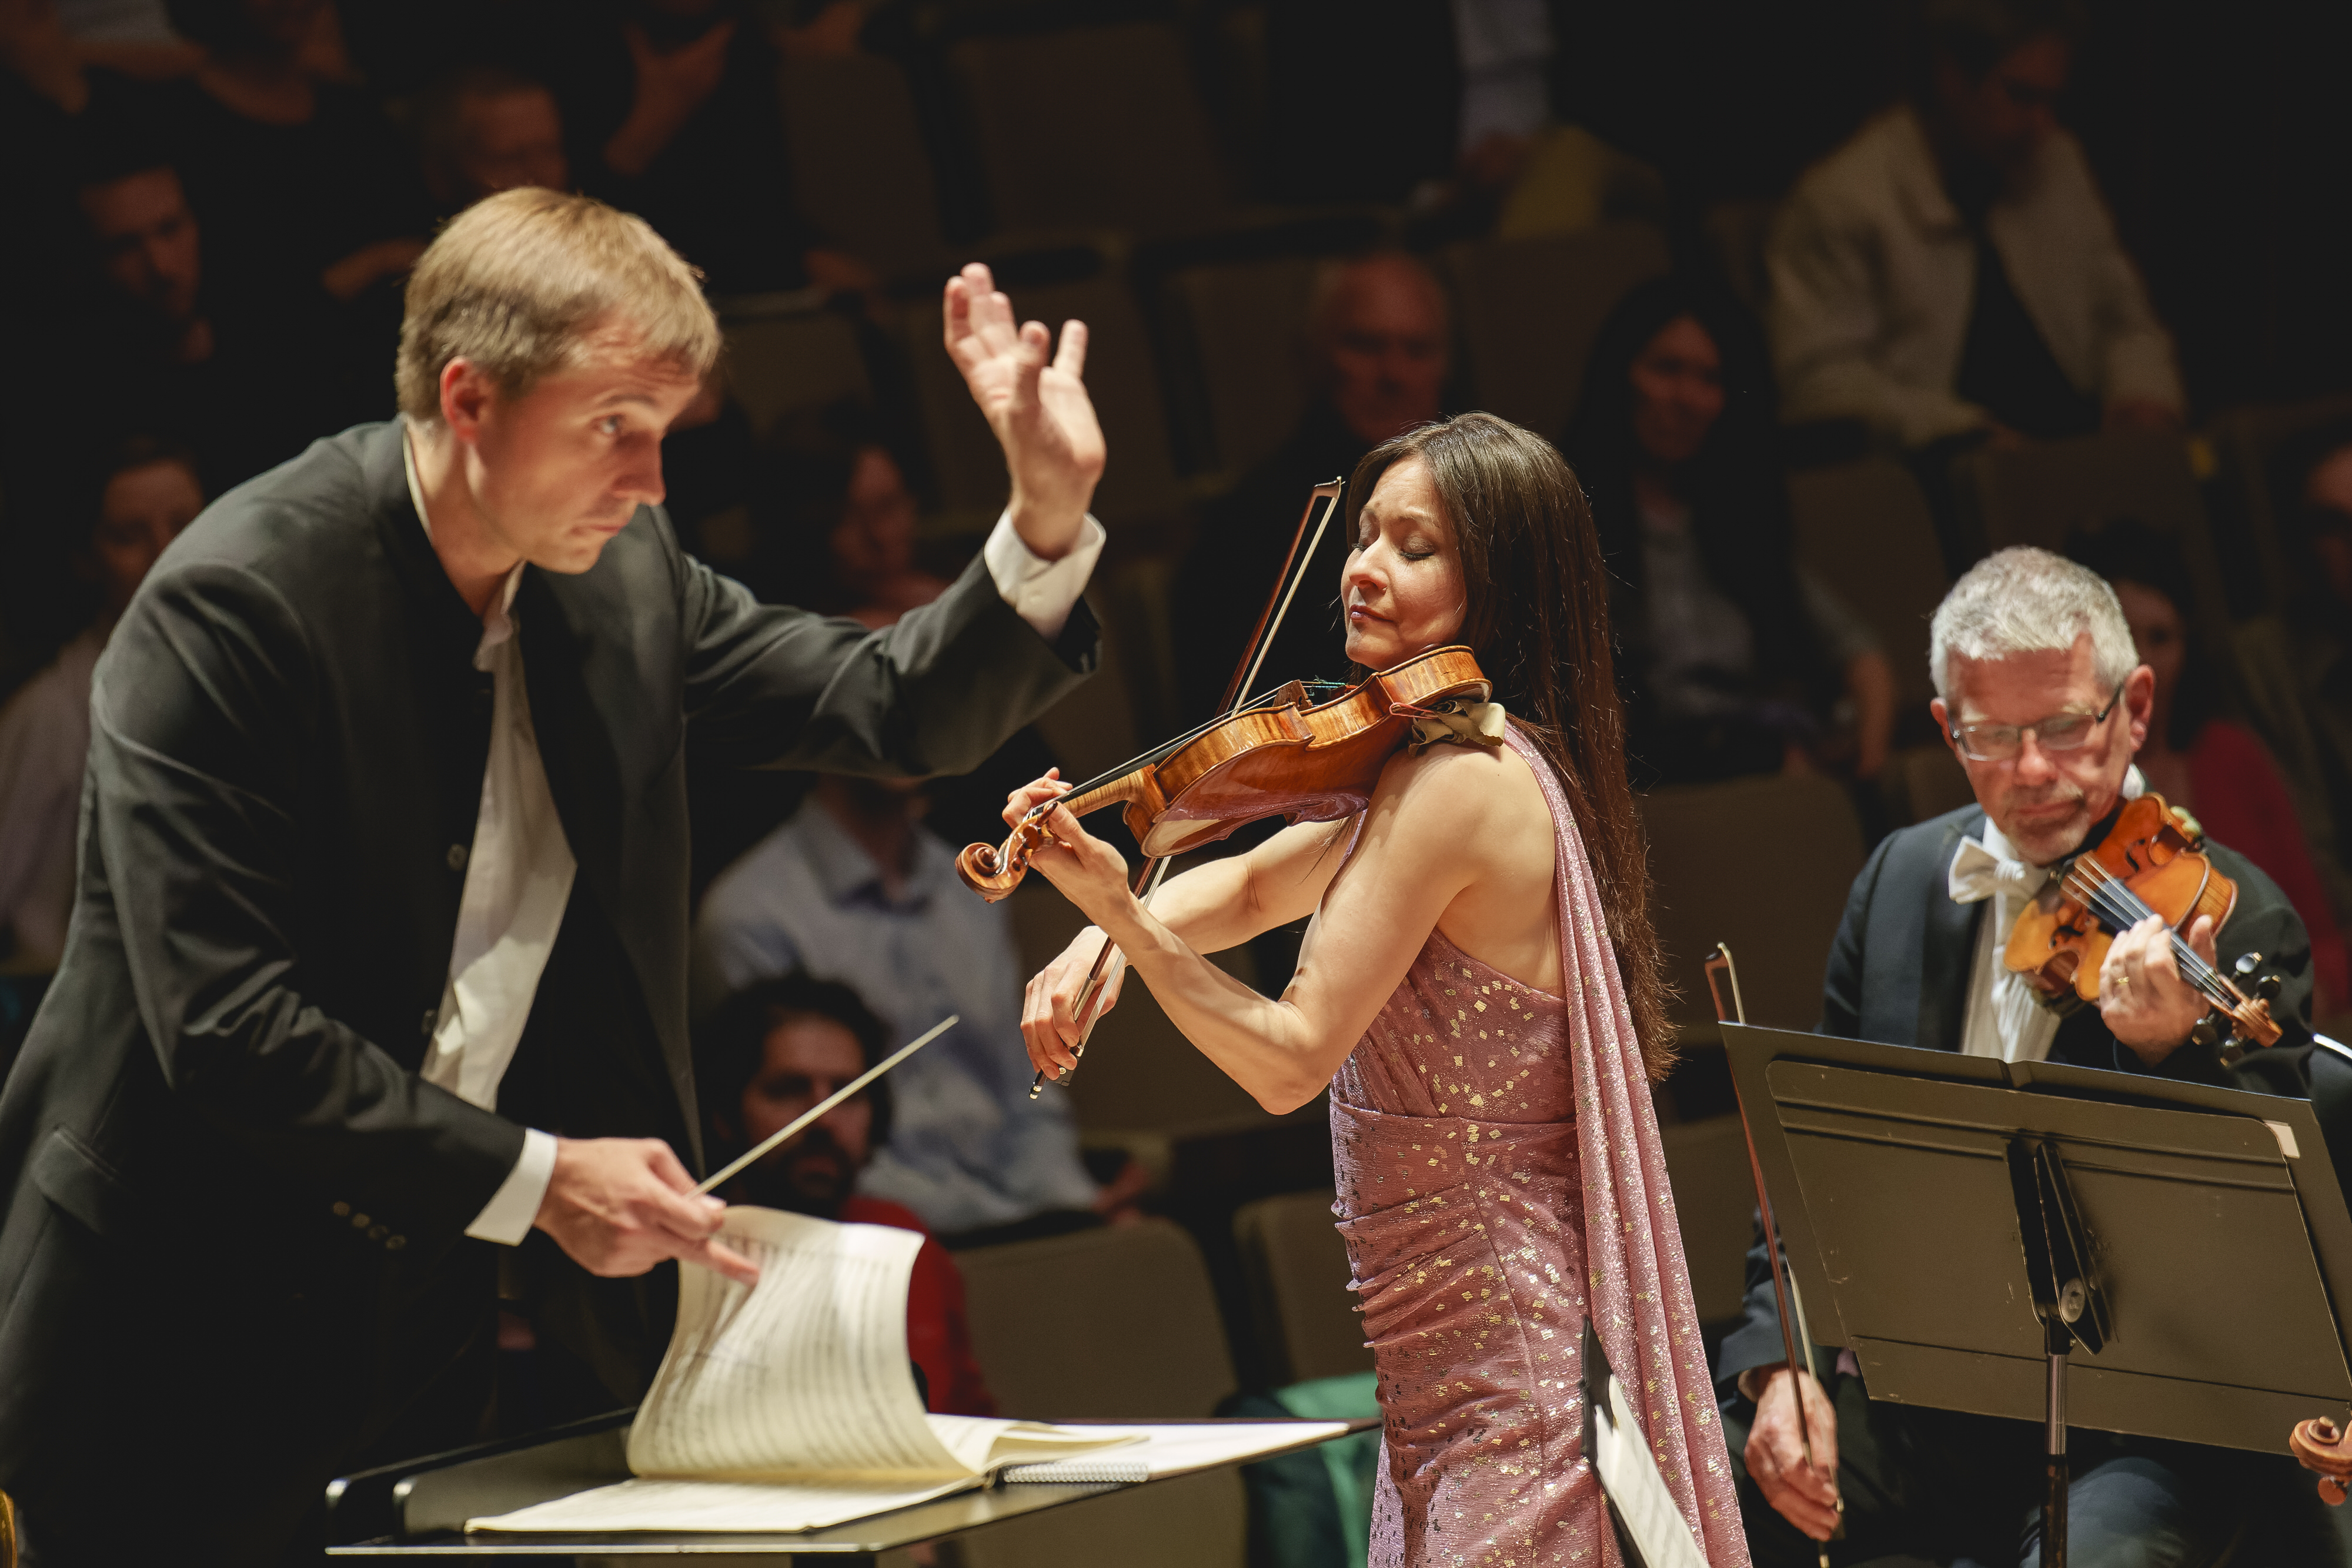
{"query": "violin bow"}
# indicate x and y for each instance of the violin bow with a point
(1793, 1332)
(1269, 624)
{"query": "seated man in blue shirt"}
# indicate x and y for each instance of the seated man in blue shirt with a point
(854, 888)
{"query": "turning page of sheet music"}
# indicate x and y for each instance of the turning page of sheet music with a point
(790, 1404)
(804, 1373)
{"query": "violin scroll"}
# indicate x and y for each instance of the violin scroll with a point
(2319, 1446)
(993, 872)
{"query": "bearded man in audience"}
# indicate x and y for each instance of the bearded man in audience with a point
(377, 963)
(2042, 697)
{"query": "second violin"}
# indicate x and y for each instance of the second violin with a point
(2150, 862)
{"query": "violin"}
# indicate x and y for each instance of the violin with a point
(2150, 862)
(1278, 756)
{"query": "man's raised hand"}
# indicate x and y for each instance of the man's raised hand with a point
(1035, 401)
(619, 1205)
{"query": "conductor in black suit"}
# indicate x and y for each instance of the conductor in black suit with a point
(2043, 697)
(378, 959)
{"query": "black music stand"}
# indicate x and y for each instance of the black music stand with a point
(1963, 1223)
(418, 1507)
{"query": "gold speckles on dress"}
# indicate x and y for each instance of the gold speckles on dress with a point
(1500, 1178)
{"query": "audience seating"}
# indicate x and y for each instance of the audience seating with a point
(1865, 529)
(1093, 730)
(1140, 623)
(1119, 1324)
(788, 354)
(1296, 1265)
(1715, 1198)
(1235, 342)
(1735, 234)
(860, 171)
(1139, 485)
(2242, 442)
(1764, 866)
(1529, 309)
(2037, 493)
(1923, 781)
(1092, 128)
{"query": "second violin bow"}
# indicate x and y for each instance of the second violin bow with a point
(1793, 1332)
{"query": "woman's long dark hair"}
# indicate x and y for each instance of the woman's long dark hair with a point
(1738, 499)
(1538, 619)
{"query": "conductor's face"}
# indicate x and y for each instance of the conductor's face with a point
(555, 473)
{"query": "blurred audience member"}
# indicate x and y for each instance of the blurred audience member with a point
(147, 492)
(762, 1059)
(2297, 665)
(481, 129)
(2209, 766)
(163, 353)
(1733, 652)
(1378, 349)
(311, 214)
(671, 107)
(853, 888)
(1952, 270)
(836, 522)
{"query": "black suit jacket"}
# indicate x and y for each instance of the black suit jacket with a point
(1898, 974)
(234, 1200)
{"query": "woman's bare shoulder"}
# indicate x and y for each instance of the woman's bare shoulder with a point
(1470, 787)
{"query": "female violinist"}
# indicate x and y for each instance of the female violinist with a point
(1480, 991)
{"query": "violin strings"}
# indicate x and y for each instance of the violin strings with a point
(2108, 896)
(2121, 909)
(1160, 752)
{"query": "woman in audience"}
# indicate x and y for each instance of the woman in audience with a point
(1480, 991)
(835, 498)
(1735, 656)
(146, 492)
(2212, 766)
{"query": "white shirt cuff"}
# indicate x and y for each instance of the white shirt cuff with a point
(506, 1218)
(1041, 591)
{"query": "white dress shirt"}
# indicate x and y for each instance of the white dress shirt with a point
(2005, 1018)
(1873, 279)
(519, 871)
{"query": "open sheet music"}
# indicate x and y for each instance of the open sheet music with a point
(790, 1404)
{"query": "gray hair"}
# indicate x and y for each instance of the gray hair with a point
(2027, 600)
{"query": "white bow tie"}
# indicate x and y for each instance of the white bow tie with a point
(1978, 873)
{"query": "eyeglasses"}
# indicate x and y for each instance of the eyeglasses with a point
(1984, 742)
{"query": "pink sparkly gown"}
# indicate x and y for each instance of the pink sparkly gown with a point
(1500, 1177)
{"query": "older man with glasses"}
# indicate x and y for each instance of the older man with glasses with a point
(2042, 696)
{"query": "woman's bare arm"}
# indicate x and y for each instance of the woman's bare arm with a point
(1435, 824)
(1218, 904)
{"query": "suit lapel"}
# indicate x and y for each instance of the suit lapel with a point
(1947, 948)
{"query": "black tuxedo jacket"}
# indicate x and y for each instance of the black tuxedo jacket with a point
(234, 1203)
(1898, 974)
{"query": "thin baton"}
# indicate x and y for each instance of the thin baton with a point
(793, 1128)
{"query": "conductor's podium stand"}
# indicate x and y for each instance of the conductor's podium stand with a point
(419, 1508)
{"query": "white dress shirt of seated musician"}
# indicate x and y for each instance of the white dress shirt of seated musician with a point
(2045, 702)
